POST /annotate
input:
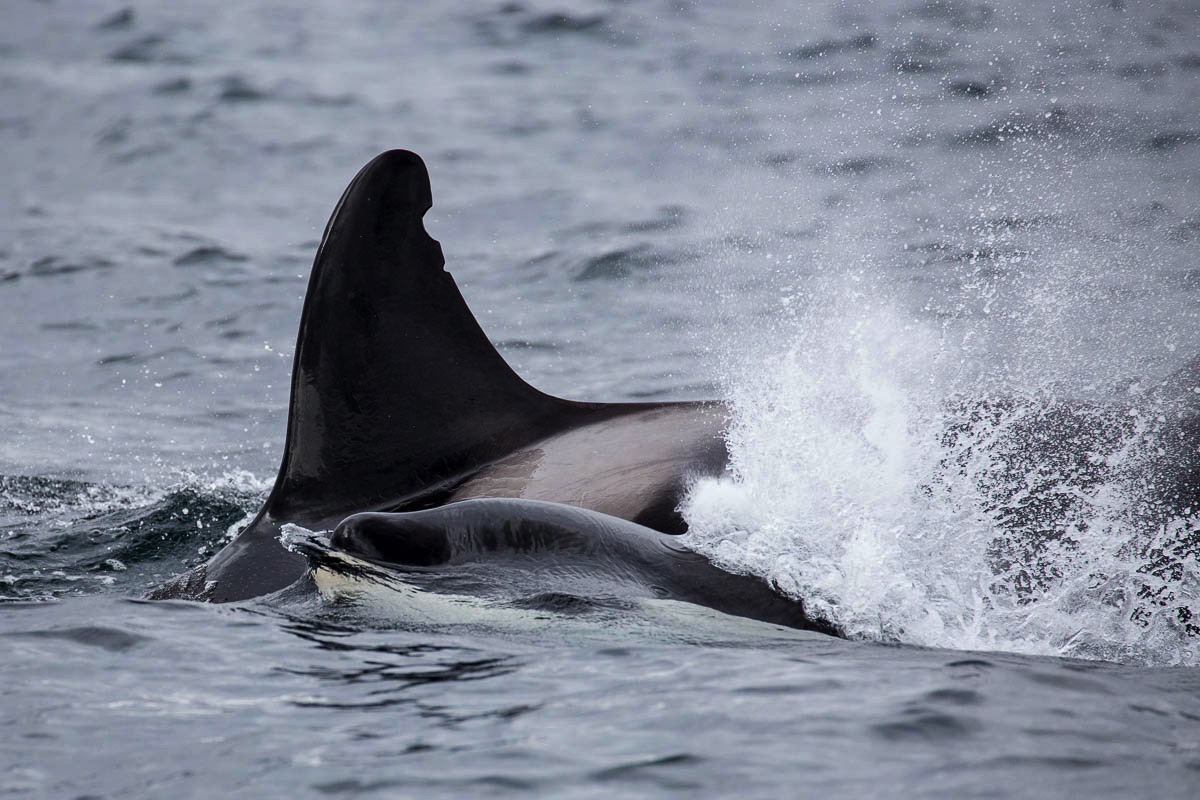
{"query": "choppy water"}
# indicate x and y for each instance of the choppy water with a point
(861, 223)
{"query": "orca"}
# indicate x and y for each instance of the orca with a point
(552, 556)
(401, 409)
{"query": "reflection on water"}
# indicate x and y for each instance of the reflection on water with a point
(274, 697)
(378, 673)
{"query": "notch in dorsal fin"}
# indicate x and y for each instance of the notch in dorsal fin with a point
(395, 387)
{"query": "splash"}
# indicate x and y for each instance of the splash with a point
(62, 537)
(872, 477)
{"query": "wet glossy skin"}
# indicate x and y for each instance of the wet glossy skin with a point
(579, 554)
(633, 466)
(400, 402)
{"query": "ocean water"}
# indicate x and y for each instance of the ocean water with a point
(940, 257)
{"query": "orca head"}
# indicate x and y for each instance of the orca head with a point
(392, 539)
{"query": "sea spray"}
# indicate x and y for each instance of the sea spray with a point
(902, 499)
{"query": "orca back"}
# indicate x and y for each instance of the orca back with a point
(397, 395)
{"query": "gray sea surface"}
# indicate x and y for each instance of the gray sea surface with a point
(852, 221)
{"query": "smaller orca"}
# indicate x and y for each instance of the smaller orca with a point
(401, 407)
(561, 551)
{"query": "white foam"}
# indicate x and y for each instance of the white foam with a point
(846, 492)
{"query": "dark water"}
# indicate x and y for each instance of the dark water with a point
(847, 219)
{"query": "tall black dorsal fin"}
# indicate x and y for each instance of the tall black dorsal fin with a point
(395, 388)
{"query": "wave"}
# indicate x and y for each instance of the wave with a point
(66, 537)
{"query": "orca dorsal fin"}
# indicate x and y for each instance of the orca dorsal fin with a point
(395, 387)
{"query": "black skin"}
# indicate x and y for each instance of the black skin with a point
(400, 403)
(501, 531)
